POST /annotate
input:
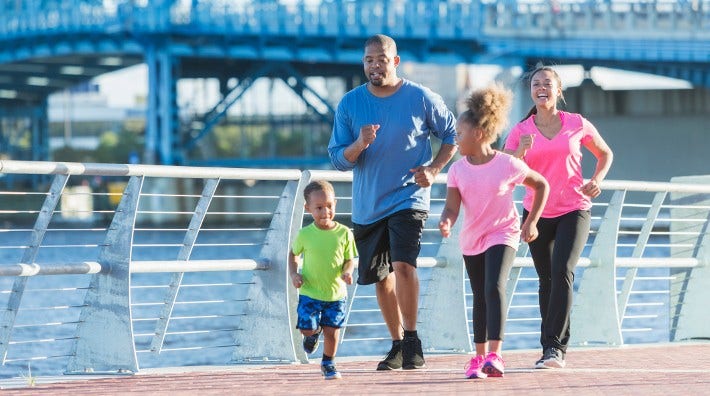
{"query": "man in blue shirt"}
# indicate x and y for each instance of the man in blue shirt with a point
(382, 132)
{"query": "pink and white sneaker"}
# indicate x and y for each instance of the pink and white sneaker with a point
(474, 368)
(494, 366)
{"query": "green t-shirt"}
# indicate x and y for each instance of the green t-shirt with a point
(324, 252)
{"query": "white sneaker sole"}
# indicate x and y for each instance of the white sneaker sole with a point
(553, 363)
(540, 365)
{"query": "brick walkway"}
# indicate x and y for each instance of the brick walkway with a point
(682, 368)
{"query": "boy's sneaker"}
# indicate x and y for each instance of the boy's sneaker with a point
(475, 366)
(494, 365)
(393, 360)
(412, 355)
(310, 343)
(555, 359)
(329, 371)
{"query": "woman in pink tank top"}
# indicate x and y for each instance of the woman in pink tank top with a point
(550, 141)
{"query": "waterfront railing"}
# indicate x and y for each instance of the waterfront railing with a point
(109, 268)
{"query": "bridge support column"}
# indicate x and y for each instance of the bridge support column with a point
(40, 132)
(162, 129)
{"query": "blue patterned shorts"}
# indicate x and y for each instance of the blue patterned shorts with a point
(312, 312)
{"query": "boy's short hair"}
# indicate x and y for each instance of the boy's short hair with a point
(318, 185)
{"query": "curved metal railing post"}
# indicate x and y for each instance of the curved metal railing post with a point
(594, 314)
(440, 328)
(104, 336)
(267, 306)
(690, 296)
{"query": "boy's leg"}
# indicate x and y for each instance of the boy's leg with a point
(330, 341)
(309, 315)
(333, 317)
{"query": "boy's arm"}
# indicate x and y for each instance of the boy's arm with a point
(293, 264)
(347, 274)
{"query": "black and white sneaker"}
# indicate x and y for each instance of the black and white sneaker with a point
(540, 364)
(555, 359)
(310, 343)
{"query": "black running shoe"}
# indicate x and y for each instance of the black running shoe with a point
(412, 355)
(393, 360)
(310, 343)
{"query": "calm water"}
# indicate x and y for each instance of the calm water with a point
(216, 298)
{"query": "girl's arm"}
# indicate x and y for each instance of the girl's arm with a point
(450, 212)
(538, 183)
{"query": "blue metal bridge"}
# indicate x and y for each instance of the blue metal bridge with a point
(50, 45)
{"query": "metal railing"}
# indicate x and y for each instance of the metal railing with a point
(411, 18)
(111, 267)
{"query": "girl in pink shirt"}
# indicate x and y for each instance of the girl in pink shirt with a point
(483, 181)
(550, 141)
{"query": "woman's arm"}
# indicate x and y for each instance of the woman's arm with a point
(538, 183)
(601, 151)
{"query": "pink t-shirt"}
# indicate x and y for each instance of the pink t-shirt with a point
(490, 217)
(559, 160)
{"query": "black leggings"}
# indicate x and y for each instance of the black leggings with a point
(555, 253)
(488, 273)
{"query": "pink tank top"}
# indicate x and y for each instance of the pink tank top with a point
(559, 160)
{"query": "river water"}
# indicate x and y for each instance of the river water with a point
(211, 306)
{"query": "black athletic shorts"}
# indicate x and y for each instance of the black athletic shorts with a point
(396, 237)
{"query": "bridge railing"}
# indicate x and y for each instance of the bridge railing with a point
(585, 19)
(414, 19)
(111, 268)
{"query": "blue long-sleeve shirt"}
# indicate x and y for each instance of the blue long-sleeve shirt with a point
(382, 181)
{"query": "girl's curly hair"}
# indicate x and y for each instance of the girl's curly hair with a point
(487, 109)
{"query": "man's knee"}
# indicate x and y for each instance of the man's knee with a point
(404, 271)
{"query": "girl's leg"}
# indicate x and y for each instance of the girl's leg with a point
(498, 261)
(475, 267)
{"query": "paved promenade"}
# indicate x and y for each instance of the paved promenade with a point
(678, 368)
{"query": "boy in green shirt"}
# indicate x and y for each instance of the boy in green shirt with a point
(328, 249)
